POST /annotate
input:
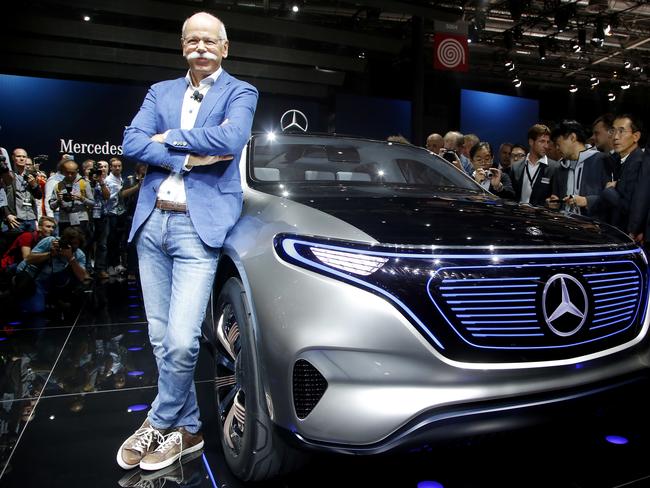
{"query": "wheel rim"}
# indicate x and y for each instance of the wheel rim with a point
(230, 393)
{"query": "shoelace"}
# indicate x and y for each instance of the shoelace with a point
(144, 438)
(169, 441)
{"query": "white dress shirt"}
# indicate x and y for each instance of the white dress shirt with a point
(529, 176)
(173, 188)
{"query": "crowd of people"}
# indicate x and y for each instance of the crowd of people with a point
(598, 171)
(61, 230)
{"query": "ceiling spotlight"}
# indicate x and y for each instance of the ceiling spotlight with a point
(593, 79)
(626, 85)
(573, 88)
(576, 46)
(627, 64)
(362, 55)
(608, 31)
(595, 83)
(87, 18)
(507, 64)
(516, 81)
(611, 97)
(597, 42)
(295, 9)
(542, 51)
(564, 66)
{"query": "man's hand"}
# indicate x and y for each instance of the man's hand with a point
(55, 249)
(576, 200)
(159, 137)
(12, 222)
(66, 253)
(495, 180)
(610, 184)
(195, 160)
(31, 181)
(553, 202)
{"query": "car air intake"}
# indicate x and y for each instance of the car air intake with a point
(308, 387)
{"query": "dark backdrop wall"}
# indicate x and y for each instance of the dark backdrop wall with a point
(87, 119)
(49, 116)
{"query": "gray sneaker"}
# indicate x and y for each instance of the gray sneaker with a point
(176, 444)
(136, 447)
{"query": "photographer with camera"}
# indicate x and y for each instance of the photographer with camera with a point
(21, 211)
(53, 269)
(491, 179)
(453, 151)
(72, 198)
(97, 247)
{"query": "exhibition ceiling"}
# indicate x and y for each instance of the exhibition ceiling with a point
(313, 48)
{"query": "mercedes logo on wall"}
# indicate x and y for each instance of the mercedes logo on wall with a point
(565, 304)
(294, 121)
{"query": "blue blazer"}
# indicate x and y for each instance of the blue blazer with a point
(223, 126)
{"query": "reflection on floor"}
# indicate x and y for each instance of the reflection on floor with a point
(73, 385)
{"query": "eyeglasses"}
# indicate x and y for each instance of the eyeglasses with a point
(517, 155)
(482, 160)
(619, 130)
(208, 42)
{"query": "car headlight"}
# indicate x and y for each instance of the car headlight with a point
(356, 263)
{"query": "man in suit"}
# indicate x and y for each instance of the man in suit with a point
(191, 132)
(533, 177)
(628, 196)
(582, 175)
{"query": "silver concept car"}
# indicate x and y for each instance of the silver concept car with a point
(373, 297)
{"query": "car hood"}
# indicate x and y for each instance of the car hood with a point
(407, 216)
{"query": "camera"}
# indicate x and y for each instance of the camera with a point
(67, 196)
(95, 173)
(450, 156)
(64, 243)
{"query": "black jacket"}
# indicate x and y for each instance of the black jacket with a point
(628, 200)
(594, 176)
(542, 185)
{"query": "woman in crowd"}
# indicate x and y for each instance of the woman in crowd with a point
(492, 179)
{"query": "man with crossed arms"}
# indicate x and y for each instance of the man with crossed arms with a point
(191, 132)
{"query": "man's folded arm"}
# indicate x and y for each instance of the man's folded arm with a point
(227, 138)
(137, 139)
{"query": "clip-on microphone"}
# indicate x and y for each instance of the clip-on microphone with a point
(197, 96)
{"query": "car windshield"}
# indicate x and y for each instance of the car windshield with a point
(336, 160)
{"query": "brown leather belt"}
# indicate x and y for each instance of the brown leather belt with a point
(171, 206)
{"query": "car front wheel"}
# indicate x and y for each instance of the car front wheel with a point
(252, 448)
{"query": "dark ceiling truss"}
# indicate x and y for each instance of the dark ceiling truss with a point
(317, 51)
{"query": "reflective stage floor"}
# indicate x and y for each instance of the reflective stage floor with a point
(74, 385)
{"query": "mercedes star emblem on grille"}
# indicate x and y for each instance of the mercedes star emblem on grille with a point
(565, 304)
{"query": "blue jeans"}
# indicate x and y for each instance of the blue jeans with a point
(177, 272)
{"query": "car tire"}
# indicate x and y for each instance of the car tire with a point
(251, 446)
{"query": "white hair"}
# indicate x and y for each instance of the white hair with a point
(222, 28)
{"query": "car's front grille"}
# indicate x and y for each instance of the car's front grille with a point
(309, 386)
(539, 306)
(489, 305)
